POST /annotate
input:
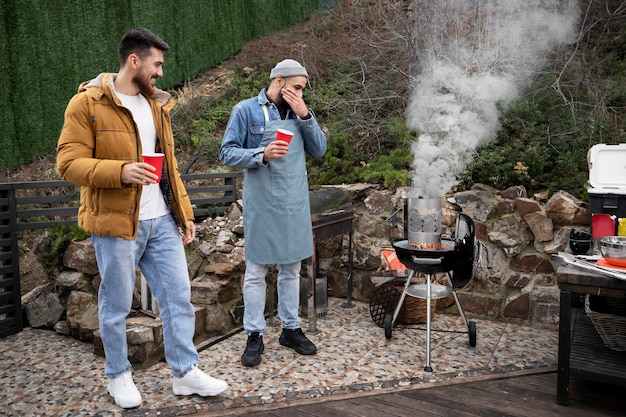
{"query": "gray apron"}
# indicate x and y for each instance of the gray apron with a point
(277, 216)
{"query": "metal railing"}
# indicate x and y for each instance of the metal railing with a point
(41, 204)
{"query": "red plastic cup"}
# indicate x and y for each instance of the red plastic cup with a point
(156, 160)
(284, 135)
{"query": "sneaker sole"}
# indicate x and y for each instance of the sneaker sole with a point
(301, 351)
(191, 391)
(254, 363)
(130, 405)
(251, 363)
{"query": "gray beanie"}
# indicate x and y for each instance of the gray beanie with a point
(288, 68)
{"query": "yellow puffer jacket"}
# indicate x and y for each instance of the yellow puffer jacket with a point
(98, 138)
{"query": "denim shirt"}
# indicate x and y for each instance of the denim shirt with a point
(241, 145)
(277, 217)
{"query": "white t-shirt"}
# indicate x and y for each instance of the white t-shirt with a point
(152, 204)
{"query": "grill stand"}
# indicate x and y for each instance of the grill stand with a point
(325, 225)
(441, 291)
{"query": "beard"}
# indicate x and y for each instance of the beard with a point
(145, 86)
(281, 103)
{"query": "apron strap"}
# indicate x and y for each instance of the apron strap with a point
(267, 116)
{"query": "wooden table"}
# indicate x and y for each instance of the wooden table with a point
(582, 352)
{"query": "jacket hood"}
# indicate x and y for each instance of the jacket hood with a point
(104, 82)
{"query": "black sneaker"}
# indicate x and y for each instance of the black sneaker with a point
(296, 340)
(254, 347)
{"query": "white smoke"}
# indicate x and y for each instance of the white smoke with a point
(476, 57)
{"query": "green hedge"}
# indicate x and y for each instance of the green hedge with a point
(48, 47)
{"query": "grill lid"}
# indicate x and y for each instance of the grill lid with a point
(329, 205)
(464, 234)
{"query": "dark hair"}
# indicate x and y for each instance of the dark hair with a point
(139, 41)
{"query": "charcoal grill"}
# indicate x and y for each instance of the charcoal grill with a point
(456, 257)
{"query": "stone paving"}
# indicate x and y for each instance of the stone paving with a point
(46, 374)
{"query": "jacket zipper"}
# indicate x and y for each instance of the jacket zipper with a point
(137, 153)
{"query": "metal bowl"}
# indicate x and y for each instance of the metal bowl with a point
(613, 249)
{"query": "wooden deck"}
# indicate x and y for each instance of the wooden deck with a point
(529, 395)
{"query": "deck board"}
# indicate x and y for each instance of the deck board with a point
(514, 396)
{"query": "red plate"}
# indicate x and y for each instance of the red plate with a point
(605, 264)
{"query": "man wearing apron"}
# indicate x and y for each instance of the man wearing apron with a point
(276, 213)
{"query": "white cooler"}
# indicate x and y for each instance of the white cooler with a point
(607, 178)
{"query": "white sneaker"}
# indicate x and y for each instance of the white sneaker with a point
(197, 382)
(124, 391)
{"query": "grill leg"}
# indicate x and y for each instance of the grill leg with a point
(402, 297)
(458, 302)
(428, 368)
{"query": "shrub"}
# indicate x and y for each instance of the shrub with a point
(56, 242)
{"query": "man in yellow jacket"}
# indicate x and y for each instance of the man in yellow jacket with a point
(135, 220)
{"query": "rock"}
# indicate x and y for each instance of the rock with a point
(511, 234)
(358, 191)
(542, 197)
(226, 248)
(234, 212)
(547, 315)
(194, 267)
(82, 314)
(81, 256)
(400, 195)
(204, 293)
(330, 247)
(205, 230)
(73, 280)
(62, 328)
(532, 264)
(236, 313)
(35, 292)
(506, 207)
(512, 193)
(517, 307)
(225, 237)
(217, 322)
(480, 304)
(563, 208)
(450, 212)
(517, 281)
(540, 225)
(477, 204)
(559, 242)
(219, 269)
(526, 205)
(378, 202)
(545, 290)
(396, 233)
(206, 248)
(139, 335)
(238, 229)
(372, 226)
(43, 307)
(367, 251)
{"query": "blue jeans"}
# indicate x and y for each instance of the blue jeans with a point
(160, 255)
(254, 291)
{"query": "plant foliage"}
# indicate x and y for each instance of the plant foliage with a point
(56, 242)
(48, 47)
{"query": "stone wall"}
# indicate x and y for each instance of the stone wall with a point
(521, 232)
